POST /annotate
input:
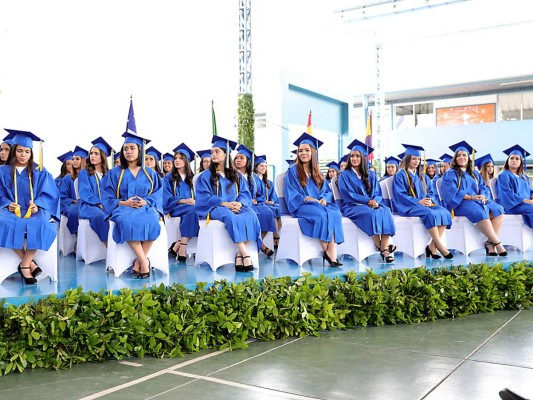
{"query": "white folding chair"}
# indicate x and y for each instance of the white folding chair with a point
(513, 232)
(47, 261)
(67, 240)
(411, 236)
(293, 244)
(121, 256)
(356, 242)
(463, 235)
(172, 226)
(89, 248)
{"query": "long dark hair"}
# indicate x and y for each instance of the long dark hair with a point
(249, 174)
(91, 169)
(63, 170)
(405, 166)
(201, 169)
(363, 170)
(316, 175)
(265, 177)
(457, 168)
(124, 163)
(520, 170)
(12, 160)
(175, 173)
(231, 173)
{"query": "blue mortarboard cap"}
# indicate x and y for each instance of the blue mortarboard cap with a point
(101, 144)
(392, 160)
(223, 143)
(22, 138)
(117, 155)
(131, 138)
(204, 153)
(413, 150)
(446, 158)
(260, 159)
(185, 150)
(65, 157)
(431, 161)
(80, 152)
(306, 138)
(290, 161)
(8, 141)
(242, 149)
(484, 160)
(152, 151)
(334, 165)
(518, 150)
(462, 146)
(357, 145)
(344, 158)
(168, 157)
(401, 156)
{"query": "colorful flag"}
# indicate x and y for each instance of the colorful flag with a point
(213, 118)
(130, 125)
(368, 135)
(309, 129)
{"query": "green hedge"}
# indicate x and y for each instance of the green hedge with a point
(171, 321)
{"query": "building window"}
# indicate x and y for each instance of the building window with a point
(515, 106)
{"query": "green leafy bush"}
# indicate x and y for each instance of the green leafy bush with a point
(172, 321)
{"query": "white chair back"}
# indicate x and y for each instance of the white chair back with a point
(385, 195)
(76, 192)
(280, 182)
(438, 184)
(388, 188)
(337, 196)
(492, 184)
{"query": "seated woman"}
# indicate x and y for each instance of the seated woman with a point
(391, 167)
(485, 166)
(513, 186)
(222, 193)
(168, 163)
(413, 196)
(152, 158)
(444, 166)
(4, 150)
(90, 188)
(266, 195)
(178, 200)
(66, 167)
(333, 171)
(464, 192)
(431, 169)
(205, 159)
(362, 199)
(243, 163)
(67, 191)
(311, 202)
(28, 199)
(133, 198)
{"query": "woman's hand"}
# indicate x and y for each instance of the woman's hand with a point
(33, 207)
(426, 202)
(323, 202)
(254, 202)
(134, 202)
(372, 203)
(186, 201)
(480, 197)
(12, 207)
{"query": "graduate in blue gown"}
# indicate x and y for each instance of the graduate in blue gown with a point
(90, 188)
(5, 146)
(333, 171)
(513, 186)
(205, 159)
(431, 169)
(222, 193)
(66, 167)
(168, 163)
(265, 194)
(116, 159)
(153, 159)
(485, 166)
(413, 196)
(444, 165)
(463, 190)
(391, 167)
(362, 201)
(28, 200)
(311, 202)
(67, 191)
(243, 163)
(178, 200)
(133, 199)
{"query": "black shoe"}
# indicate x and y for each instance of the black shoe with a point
(239, 267)
(268, 252)
(448, 256)
(171, 252)
(37, 271)
(506, 394)
(182, 259)
(392, 248)
(491, 253)
(276, 242)
(247, 268)
(144, 275)
(28, 281)
(430, 254)
(332, 263)
(386, 258)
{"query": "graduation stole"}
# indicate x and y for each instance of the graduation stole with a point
(208, 219)
(411, 186)
(16, 211)
(120, 180)
(458, 187)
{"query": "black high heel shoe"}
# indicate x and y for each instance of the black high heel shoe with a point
(144, 275)
(332, 263)
(448, 256)
(37, 271)
(487, 252)
(502, 254)
(239, 267)
(430, 254)
(387, 258)
(171, 251)
(392, 248)
(247, 268)
(182, 259)
(268, 252)
(28, 281)
(276, 242)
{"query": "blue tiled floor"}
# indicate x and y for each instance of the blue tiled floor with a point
(73, 273)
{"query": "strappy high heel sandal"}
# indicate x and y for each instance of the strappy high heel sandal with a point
(268, 252)
(386, 258)
(247, 268)
(332, 263)
(276, 242)
(487, 252)
(37, 271)
(182, 259)
(171, 252)
(144, 275)
(502, 254)
(28, 281)
(239, 267)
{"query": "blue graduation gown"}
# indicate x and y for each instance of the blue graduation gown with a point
(90, 191)
(39, 232)
(241, 227)
(263, 195)
(173, 192)
(512, 190)
(315, 220)
(407, 206)
(57, 180)
(69, 205)
(265, 214)
(453, 196)
(372, 221)
(133, 224)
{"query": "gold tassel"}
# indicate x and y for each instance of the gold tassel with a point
(228, 151)
(40, 167)
(424, 162)
(208, 219)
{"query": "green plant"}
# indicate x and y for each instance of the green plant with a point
(245, 114)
